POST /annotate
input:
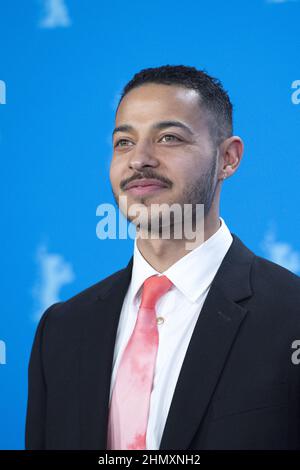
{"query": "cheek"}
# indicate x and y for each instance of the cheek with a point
(184, 172)
(193, 169)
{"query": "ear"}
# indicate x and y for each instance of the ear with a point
(231, 152)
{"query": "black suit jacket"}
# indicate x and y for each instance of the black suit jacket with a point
(237, 389)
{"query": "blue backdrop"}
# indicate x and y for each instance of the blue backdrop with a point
(63, 64)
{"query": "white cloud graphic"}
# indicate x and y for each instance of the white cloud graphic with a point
(56, 15)
(2, 352)
(54, 273)
(281, 252)
(2, 92)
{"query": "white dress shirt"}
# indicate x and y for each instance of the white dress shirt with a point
(180, 307)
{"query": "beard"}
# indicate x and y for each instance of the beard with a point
(202, 191)
(198, 192)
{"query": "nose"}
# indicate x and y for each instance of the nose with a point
(142, 156)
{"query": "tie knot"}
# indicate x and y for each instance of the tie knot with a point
(153, 288)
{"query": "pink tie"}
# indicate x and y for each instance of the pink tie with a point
(130, 402)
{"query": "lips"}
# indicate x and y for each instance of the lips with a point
(143, 183)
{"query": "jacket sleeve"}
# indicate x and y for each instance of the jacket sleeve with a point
(37, 392)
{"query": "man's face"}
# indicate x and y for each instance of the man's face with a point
(162, 163)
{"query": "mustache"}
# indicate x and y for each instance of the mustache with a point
(147, 174)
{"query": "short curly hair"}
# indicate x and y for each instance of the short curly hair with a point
(212, 95)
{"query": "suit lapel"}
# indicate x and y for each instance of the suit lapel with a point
(217, 327)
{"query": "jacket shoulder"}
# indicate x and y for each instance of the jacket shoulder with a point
(275, 272)
(275, 285)
(74, 307)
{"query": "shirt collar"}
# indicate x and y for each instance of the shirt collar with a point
(192, 273)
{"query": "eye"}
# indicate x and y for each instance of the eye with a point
(121, 140)
(171, 135)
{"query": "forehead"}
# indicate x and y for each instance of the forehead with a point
(152, 102)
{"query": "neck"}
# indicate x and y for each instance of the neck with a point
(162, 253)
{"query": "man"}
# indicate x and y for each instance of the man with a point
(183, 348)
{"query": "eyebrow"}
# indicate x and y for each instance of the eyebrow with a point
(157, 126)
